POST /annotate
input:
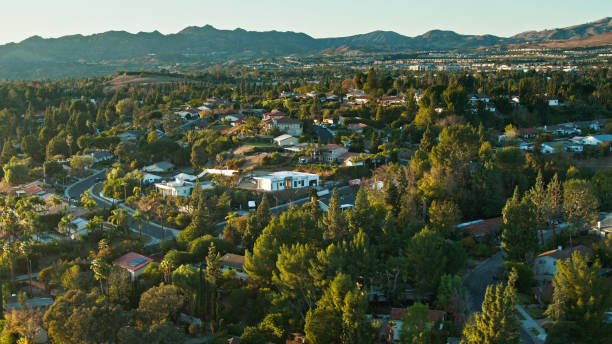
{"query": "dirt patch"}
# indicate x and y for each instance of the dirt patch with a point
(137, 80)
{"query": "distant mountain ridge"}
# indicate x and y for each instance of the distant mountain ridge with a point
(102, 53)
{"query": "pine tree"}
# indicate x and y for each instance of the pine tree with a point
(519, 235)
(497, 323)
(334, 227)
(581, 298)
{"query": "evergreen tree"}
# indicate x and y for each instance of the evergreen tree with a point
(334, 226)
(581, 297)
(497, 323)
(519, 235)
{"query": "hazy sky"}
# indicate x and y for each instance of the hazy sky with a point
(20, 19)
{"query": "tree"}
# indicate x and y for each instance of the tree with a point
(213, 267)
(80, 162)
(415, 329)
(161, 303)
(101, 270)
(580, 206)
(140, 218)
(519, 235)
(87, 201)
(77, 318)
(444, 217)
(16, 171)
(581, 298)
(602, 183)
(543, 203)
(27, 322)
(66, 225)
(119, 218)
(451, 294)
(497, 323)
(32, 147)
(333, 222)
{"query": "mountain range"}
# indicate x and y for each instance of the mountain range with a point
(103, 53)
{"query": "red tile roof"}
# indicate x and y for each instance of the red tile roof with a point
(482, 227)
(132, 261)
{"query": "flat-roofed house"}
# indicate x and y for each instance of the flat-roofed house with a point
(285, 180)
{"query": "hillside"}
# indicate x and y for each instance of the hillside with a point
(103, 53)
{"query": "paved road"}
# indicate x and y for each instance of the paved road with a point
(151, 229)
(75, 190)
(347, 195)
(90, 183)
(476, 284)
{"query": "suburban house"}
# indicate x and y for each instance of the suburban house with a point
(284, 180)
(231, 261)
(287, 125)
(134, 263)
(395, 319)
(180, 187)
(189, 114)
(130, 135)
(350, 159)
(149, 178)
(80, 227)
(285, 140)
(159, 167)
(544, 264)
(480, 228)
(184, 177)
(562, 129)
(100, 156)
(333, 152)
(392, 100)
(594, 140)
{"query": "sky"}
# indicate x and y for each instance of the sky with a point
(20, 19)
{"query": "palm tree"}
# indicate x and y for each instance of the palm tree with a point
(118, 218)
(140, 218)
(66, 225)
(87, 201)
(101, 270)
(8, 251)
(95, 223)
(26, 250)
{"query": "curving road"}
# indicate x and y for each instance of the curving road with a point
(91, 185)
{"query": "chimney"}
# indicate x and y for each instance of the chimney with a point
(559, 248)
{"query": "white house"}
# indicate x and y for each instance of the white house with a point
(174, 188)
(100, 156)
(184, 177)
(333, 152)
(553, 102)
(285, 180)
(285, 140)
(287, 125)
(134, 263)
(544, 263)
(594, 140)
(162, 166)
(149, 178)
(546, 149)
